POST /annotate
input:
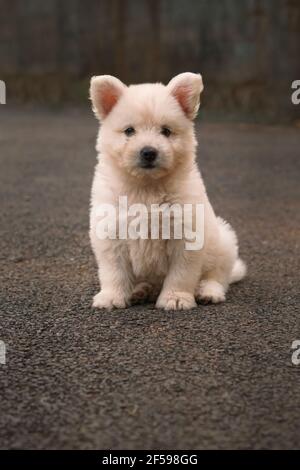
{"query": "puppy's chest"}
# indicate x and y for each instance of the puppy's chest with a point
(149, 256)
(149, 259)
(148, 198)
(147, 218)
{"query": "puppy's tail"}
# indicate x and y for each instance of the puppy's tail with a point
(239, 271)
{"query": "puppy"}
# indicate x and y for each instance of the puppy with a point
(147, 148)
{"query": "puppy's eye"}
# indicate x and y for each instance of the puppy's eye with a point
(129, 131)
(166, 131)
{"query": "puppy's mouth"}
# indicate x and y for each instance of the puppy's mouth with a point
(147, 165)
(149, 170)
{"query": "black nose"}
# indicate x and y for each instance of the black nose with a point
(148, 154)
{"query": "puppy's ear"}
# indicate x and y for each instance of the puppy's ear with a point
(186, 88)
(105, 91)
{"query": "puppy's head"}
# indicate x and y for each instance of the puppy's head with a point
(147, 130)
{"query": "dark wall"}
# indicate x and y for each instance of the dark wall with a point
(248, 51)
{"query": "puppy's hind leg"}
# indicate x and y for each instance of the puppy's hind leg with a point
(228, 268)
(141, 292)
(210, 291)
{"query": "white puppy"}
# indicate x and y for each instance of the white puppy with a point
(147, 151)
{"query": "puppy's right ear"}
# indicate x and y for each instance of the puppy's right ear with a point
(105, 91)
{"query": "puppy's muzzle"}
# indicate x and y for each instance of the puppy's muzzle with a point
(148, 157)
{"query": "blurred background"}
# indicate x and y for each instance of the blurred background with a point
(248, 51)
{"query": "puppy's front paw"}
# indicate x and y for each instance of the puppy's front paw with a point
(176, 301)
(210, 292)
(109, 300)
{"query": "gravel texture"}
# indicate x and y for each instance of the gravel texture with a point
(215, 377)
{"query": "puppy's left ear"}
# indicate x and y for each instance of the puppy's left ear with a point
(186, 88)
(105, 91)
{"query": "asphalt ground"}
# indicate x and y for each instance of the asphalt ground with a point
(217, 377)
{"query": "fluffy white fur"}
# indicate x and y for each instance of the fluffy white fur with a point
(134, 270)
